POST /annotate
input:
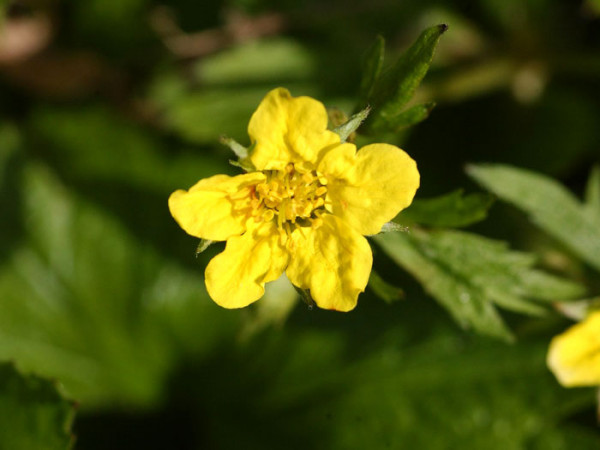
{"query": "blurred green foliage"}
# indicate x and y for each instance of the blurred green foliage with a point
(33, 413)
(107, 106)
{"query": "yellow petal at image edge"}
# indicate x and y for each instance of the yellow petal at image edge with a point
(206, 210)
(574, 356)
(333, 261)
(286, 129)
(237, 276)
(370, 187)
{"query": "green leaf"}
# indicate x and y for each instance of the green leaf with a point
(549, 205)
(592, 191)
(33, 413)
(450, 210)
(411, 116)
(271, 60)
(93, 144)
(11, 160)
(418, 374)
(203, 116)
(80, 298)
(397, 86)
(372, 66)
(469, 274)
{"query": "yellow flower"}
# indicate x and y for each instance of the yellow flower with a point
(574, 355)
(304, 210)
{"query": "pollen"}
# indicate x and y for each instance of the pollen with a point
(291, 197)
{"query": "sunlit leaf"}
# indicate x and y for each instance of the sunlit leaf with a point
(549, 205)
(469, 274)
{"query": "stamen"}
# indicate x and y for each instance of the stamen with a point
(296, 195)
(321, 191)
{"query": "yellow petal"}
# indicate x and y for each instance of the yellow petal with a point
(370, 187)
(574, 356)
(288, 129)
(332, 261)
(237, 276)
(208, 210)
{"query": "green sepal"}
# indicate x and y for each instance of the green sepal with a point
(396, 87)
(390, 227)
(244, 164)
(306, 297)
(243, 161)
(240, 151)
(203, 245)
(372, 66)
(454, 209)
(384, 290)
(346, 129)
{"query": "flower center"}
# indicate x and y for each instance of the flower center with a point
(292, 197)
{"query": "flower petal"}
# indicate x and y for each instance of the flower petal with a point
(574, 356)
(288, 129)
(237, 276)
(370, 187)
(208, 210)
(333, 261)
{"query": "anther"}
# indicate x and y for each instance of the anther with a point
(268, 215)
(320, 191)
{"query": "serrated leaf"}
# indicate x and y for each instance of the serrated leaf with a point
(468, 274)
(549, 205)
(372, 66)
(450, 210)
(33, 414)
(397, 86)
